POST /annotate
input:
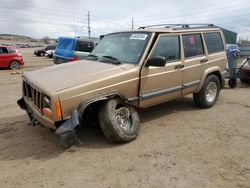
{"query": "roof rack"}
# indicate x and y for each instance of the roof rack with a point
(178, 26)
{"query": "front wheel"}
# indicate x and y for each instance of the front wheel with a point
(209, 93)
(119, 122)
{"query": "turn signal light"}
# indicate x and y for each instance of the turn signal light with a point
(58, 109)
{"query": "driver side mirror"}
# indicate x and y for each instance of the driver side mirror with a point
(157, 61)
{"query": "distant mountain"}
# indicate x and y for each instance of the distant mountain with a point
(14, 37)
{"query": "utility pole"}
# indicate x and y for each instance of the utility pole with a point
(89, 24)
(74, 26)
(132, 23)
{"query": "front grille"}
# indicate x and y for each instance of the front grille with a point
(34, 95)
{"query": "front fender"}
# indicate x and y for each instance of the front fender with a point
(84, 104)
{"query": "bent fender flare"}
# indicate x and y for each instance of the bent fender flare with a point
(70, 124)
(84, 104)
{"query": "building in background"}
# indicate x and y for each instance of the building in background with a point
(230, 36)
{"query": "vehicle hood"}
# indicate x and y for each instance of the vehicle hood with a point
(59, 77)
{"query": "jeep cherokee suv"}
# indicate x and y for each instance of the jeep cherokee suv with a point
(126, 71)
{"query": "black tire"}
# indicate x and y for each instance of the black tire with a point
(209, 92)
(244, 81)
(232, 82)
(15, 65)
(119, 122)
(40, 54)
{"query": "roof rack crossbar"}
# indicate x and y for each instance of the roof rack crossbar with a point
(177, 26)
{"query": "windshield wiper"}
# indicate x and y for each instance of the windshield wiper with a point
(113, 59)
(92, 56)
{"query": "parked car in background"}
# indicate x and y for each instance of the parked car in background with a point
(245, 71)
(72, 49)
(42, 51)
(10, 57)
(234, 49)
(49, 53)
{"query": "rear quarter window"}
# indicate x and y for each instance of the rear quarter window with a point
(11, 51)
(214, 42)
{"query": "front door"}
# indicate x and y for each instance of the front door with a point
(161, 84)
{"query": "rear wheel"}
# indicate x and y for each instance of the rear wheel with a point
(209, 93)
(119, 122)
(14, 65)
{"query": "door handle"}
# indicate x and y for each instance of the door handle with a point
(179, 66)
(204, 61)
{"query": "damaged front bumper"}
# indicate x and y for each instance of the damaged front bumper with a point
(34, 114)
(65, 133)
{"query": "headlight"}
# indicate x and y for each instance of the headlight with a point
(46, 110)
(46, 101)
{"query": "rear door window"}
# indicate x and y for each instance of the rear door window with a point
(214, 42)
(192, 44)
(3, 50)
(84, 46)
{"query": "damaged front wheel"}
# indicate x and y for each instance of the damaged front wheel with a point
(119, 122)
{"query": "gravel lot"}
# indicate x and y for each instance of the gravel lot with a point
(179, 145)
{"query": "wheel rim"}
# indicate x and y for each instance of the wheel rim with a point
(122, 116)
(15, 65)
(211, 91)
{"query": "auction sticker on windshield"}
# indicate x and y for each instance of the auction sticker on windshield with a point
(138, 36)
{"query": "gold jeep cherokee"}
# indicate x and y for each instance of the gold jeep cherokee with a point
(127, 70)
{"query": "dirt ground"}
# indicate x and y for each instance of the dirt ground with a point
(179, 145)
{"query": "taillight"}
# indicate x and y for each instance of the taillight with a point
(73, 58)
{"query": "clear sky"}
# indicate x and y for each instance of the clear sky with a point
(53, 18)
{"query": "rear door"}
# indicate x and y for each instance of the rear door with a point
(160, 84)
(195, 61)
(4, 57)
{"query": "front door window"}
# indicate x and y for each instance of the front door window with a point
(168, 47)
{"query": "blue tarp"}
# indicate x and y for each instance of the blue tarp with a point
(65, 47)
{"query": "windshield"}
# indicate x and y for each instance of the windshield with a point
(124, 47)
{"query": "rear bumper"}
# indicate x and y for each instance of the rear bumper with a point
(31, 109)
